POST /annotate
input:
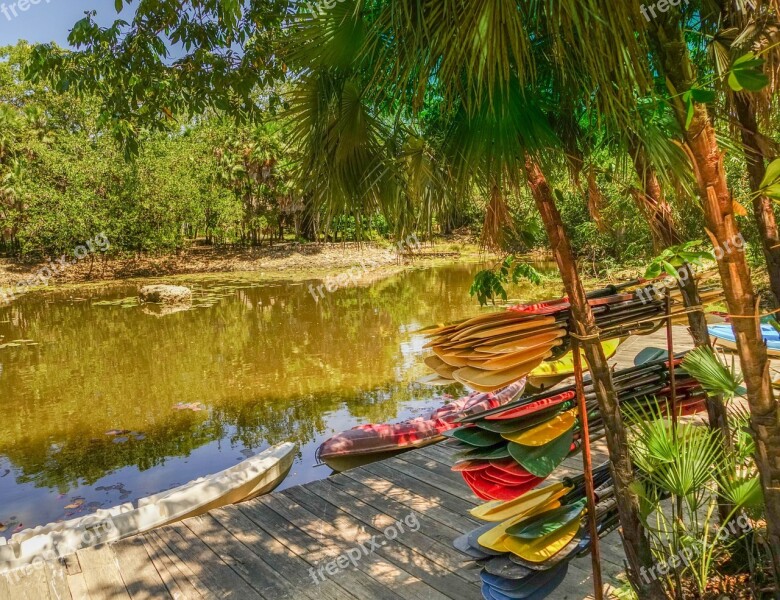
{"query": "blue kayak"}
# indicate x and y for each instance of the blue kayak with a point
(724, 336)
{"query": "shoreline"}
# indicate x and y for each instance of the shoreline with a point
(367, 263)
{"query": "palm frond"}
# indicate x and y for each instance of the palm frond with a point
(705, 366)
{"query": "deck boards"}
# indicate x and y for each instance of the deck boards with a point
(272, 547)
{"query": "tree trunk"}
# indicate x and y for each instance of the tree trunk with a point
(763, 209)
(651, 199)
(716, 408)
(308, 219)
(635, 541)
(734, 271)
(596, 203)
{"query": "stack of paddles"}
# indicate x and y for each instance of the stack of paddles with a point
(527, 544)
(505, 452)
(491, 351)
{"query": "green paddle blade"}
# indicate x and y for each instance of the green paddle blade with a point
(547, 522)
(523, 423)
(475, 437)
(492, 453)
(543, 460)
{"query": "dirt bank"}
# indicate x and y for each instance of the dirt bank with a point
(290, 260)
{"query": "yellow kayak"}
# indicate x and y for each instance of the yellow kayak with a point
(550, 373)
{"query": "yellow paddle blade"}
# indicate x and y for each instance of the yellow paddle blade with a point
(546, 432)
(565, 364)
(434, 380)
(506, 361)
(504, 320)
(543, 548)
(437, 364)
(493, 380)
(524, 342)
(450, 357)
(497, 510)
(494, 539)
(511, 327)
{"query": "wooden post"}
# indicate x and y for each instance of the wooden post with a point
(670, 352)
(595, 552)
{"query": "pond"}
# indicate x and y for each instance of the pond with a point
(104, 401)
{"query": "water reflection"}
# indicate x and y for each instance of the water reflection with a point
(265, 363)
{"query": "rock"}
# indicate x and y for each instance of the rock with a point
(165, 294)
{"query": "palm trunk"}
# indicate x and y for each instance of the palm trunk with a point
(651, 199)
(596, 203)
(635, 541)
(665, 235)
(763, 210)
(722, 226)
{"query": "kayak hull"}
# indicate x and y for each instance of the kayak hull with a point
(250, 478)
(723, 336)
(369, 443)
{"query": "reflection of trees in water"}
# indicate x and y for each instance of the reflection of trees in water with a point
(268, 362)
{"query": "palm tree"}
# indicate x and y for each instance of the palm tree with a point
(666, 35)
(739, 27)
(498, 60)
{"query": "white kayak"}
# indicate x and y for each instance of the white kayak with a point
(250, 478)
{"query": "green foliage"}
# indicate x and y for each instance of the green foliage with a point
(676, 257)
(770, 185)
(747, 73)
(490, 283)
(691, 97)
(705, 366)
(683, 469)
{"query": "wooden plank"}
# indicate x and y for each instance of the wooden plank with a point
(444, 482)
(398, 552)
(72, 564)
(101, 572)
(249, 566)
(57, 580)
(181, 578)
(433, 452)
(208, 566)
(142, 580)
(28, 583)
(169, 574)
(78, 587)
(441, 533)
(403, 480)
(426, 541)
(279, 557)
(5, 589)
(303, 533)
(433, 507)
(319, 542)
(431, 466)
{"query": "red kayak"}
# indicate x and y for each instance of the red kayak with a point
(368, 443)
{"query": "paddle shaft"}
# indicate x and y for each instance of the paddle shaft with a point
(595, 552)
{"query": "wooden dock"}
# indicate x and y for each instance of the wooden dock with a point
(405, 511)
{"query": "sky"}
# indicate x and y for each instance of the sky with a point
(49, 20)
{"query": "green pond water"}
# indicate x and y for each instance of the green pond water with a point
(103, 401)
